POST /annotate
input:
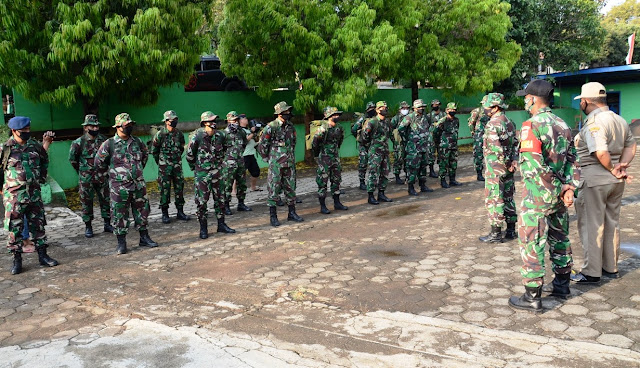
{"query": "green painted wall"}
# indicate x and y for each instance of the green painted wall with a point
(629, 97)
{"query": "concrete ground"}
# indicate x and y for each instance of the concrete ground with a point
(403, 284)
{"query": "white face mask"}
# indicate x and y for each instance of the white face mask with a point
(404, 111)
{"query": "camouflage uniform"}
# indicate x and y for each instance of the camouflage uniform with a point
(363, 149)
(477, 122)
(326, 143)
(447, 129)
(399, 154)
(233, 167)
(414, 130)
(376, 134)
(167, 148)
(90, 180)
(434, 117)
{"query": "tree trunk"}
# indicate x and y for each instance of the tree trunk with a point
(414, 91)
(308, 118)
(90, 107)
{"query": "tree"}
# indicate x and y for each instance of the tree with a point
(66, 51)
(619, 24)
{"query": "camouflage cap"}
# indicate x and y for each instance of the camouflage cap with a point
(435, 102)
(484, 98)
(418, 103)
(452, 105)
(208, 116)
(169, 115)
(90, 119)
(494, 99)
(281, 107)
(232, 115)
(404, 104)
(370, 105)
(122, 118)
(380, 104)
(331, 110)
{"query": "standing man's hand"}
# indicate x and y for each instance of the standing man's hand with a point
(47, 139)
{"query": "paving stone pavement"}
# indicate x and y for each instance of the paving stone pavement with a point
(404, 284)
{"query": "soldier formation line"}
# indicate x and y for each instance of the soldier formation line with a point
(111, 170)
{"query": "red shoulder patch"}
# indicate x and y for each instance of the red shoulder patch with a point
(528, 141)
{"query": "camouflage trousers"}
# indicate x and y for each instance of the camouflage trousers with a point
(237, 174)
(208, 185)
(166, 176)
(14, 213)
(498, 193)
(399, 159)
(281, 180)
(417, 166)
(536, 230)
(447, 162)
(363, 161)
(434, 149)
(329, 168)
(378, 171)
(87, 191)
(121, 200)
(478, 154)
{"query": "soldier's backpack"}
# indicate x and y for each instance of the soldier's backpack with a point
(313, 128)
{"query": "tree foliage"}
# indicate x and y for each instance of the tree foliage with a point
(619, 24)
(64, 51)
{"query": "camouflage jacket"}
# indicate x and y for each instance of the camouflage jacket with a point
(26, 168)
(395, 124)
(547, 159)
(414, 130)
(474, 119)
(167, 147)
(125, 160)
(357, 125)
(206, 153)
(278, 144)
(376, 134)
(235, 150)
(327, 140)
(500, 144)
(434, 117)
(82, 155)
(447, 130)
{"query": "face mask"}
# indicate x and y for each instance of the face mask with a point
(371, 113)
(93, 133)
(406, 111)
(420, 111)
(127, 130)
(585, 108)
(384, 112)
(452, 113)
(528, 104)
(173, 123)
(233, 128)
(287, 116)
(436, 108)
(24, 135)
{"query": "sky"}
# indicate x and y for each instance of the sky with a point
(610, 4)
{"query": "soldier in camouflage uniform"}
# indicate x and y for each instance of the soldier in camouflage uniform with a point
(167, 148)
(326, 147)
(277, 148)
(125, 157)
(24, 169)
(500, 149)
(447, 129)
(90, 180)
(398, 144)
(376, 134)
(477, 122)
(363, 150)
(233, 168)
(434, 116)
(549, 177)
(205, 156)
(414, 130)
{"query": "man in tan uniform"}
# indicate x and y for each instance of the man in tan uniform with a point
(605, 149)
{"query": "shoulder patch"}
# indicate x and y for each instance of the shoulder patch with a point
(528, 141)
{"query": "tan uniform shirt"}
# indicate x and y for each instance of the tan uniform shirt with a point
(603, 130)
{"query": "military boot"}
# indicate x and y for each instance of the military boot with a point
(17, 263)
(227, 209)
(107, 226)
(337, 205)
(223, 228)
(181, 215)
(88, 230)
(145, 240)
(293, 216)
(480, 177)
(398, 180)
(423, 186)
(531, 299)
(382, 197)
(165, 215)
(411, 190)
(122, 244)
(273, 216)
(204, 232)
(44, 258)
(559, 287)
(443, 183)
(453, 182)
(432, 173)
(243, 207)
(511, 233)
(363, 186)
(323, 205)
(372, 199)
(495, 236)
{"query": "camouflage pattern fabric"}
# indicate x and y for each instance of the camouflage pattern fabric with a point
(477, 122)
(434, 117)
(398, 147)
(363, 150)
(277, 148)
(414, 129)
(376, 135)
(167, 148)
(500, 149)
(327, 142)
(233, 167)
(447, 130)
(125, 161)
(547, 162)
(26, 170)
(205, 155)
(91, 181)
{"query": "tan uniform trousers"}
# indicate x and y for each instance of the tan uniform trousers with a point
(598, 211)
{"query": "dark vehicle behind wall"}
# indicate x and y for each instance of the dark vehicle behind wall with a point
(209, 77)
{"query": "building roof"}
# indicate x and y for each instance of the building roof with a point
(623, 73)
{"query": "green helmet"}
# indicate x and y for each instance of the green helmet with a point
(495, 99)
